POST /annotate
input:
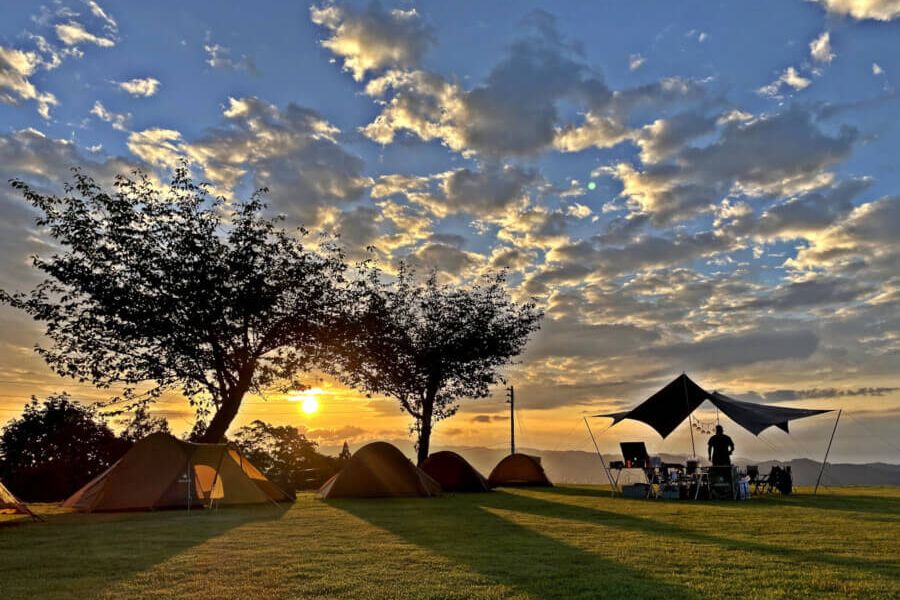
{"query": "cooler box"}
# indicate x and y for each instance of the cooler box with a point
(636, 490)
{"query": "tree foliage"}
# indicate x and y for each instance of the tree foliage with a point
(284, 454)
(428, 344)
(142, 423)
(155, 288)
(54, 448)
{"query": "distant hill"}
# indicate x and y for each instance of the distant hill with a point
(577, 466)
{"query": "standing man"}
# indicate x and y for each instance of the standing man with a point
(720, 448)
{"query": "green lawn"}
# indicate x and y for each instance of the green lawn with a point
(565, 542)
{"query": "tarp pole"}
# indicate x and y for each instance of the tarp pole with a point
(602, 460)
(827, 450)
(687, 404)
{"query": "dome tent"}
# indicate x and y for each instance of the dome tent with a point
(520, 470)
(379, 470)
(454, 473)
(161, 471)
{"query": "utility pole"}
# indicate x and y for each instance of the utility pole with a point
(511, 399)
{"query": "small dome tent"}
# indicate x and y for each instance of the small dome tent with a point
(454, 473)
(519, 470)
(379, 470)
(161, 471)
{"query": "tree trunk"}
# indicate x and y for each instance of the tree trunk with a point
(221, 421)
(425, 426)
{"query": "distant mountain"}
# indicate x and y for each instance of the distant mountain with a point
(577, 466)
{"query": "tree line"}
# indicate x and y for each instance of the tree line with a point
(58, 444)
(153, 288)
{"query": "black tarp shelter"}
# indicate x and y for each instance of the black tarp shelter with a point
(669, 407)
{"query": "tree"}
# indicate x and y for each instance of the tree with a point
(429, 344)
(54, 448)
(283, 453)
(142, 424)
(154, 288)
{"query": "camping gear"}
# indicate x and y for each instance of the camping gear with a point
(379, 470)
(161, 471)
(454, 473)
(10, 505)
(519, 470)
(636, 490)
(635, 455)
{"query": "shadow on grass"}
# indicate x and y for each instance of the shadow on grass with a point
(544, 506)
(861, 503)
(117, 546)
(465, 531)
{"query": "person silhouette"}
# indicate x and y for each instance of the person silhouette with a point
(720, 448)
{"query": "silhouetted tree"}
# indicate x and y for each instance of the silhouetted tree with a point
(429, 344)
(169, 287)
(283, 453)
(54, 448)
(142, 423)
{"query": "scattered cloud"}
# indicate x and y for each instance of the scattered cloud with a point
(878, 10)
(140, 87)
(119, 121)
(791, 78)
(16, 68)
(73, 33)
(820, 48)
(373, 39)
(219, 57)
(635, 62)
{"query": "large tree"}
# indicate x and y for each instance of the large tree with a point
(428, 344)
(153, 288)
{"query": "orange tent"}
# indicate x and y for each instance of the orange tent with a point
(519, 470)
(161, 471)
(379, 470)
(10, 505)
(454, 473)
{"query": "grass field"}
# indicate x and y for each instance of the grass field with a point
(565, 542)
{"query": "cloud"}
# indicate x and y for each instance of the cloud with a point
(146, 87)
(878, 10)
(790, 78)
(570, 337)
(773, 155)
(373, 39)
(635, 62)
(292, 151)
(119, 121)
(820, 48)
(219, 57)
(788, 395)
(541, 70)
(485, 192)
(101, 14)
(16, 66)
(739, 349)
(73, 33)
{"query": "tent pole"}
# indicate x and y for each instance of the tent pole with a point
(690, 423)
(827, 450)
(602, 460)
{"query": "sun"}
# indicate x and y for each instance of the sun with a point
(310, 404)
(308, 399)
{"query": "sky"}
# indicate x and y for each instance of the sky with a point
(710, 188)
